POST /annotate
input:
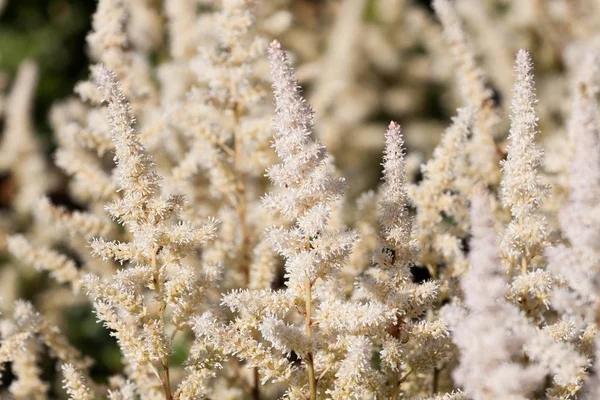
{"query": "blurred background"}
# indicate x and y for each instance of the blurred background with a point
(52, 33)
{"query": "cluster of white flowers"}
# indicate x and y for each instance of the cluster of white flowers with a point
(203, 225)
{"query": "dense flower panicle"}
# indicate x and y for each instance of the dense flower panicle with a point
(80, 224)
(576, 263)
(156, 254)
(280, 299)
(126, 390)
(25, 329)
(489, 331)
(390, 307)
(135, 171)
(182, 28)
(336, 77)
(579, 219)
(309, 186)
(470, 75)
(264, 267)
(562, 360)
(488, 345)
(75, 385)
(367, 225)
(521, 189)
(29, 383)
(84, 171)
(219, 111)
(437, 200)
(393, 213)
(112, 45)
(314, 253)
(483, 259)
(108, 28)
(309, 189)
(356, 378)
(480, 150)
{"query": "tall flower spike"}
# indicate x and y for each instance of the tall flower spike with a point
(521, 191)
(294, 114)
(393, 214)
(481, 149)
(310, 188)
(158, 250)
(392, 310)
(584, 168)
(577, 264)
(135, 170)
(470, 76)
(583, 132)
(490, 332)
(108, 28)
(75, 385)
(311, 248)
(302, 170)
(437, 195)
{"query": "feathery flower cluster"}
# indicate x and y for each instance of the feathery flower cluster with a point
(522, 192)
(157, 251)
(307, 288)
(489, 331)
(313, 252)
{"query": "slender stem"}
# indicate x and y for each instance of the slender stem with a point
(310, 365)
(165, 381)
(523, 258)
(240, 192)
(395, 385)
(435, 381)
(523, 264)
(324, 372)
(240, 206)
(298, 392)
(256, 387)
(403, 378)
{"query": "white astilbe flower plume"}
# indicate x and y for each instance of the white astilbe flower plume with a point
(489, 331)
(311, 286)
(580, 218)
(356, 377)
(157, 252)
(223, 121)
(522, 192)
(309, 187)
(74, 384)
(480, 149)
(577, 263)
(470, 75)
(437, 197)
(393, 213)
(135, 172)
(303, 170)
(391, 305)
(313, 254)
(22, 337)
